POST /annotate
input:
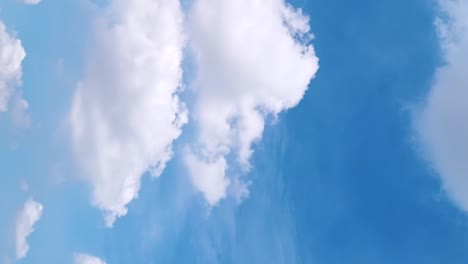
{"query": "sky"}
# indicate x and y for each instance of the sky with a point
(233, 131)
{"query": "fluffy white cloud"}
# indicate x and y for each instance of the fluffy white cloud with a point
(11, 57)
(27, 218)
(81, 258)
(126, 112)
(31, 2)
(253, 60)
(443, 123)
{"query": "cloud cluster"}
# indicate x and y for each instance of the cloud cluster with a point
(27, 218)
(443, 124)
(126, 112)
(80, 258)
(11, 57)
(253, 60)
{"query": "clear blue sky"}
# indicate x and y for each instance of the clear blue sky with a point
(341, 177)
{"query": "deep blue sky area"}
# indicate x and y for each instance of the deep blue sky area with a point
(352, 171)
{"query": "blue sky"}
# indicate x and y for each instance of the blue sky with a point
(279, 147)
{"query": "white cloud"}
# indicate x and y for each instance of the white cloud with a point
(11, 57)
(209, 177)
(31, 2)
(81, 258)
(27, 218)
(443, 123)
(126, 112)
(250, 65)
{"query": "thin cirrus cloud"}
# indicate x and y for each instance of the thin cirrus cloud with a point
(126, 112)
(253, 60)
(81, 258)
(27, 218)
(443, 123)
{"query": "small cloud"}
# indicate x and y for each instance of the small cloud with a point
(19, 115)
(27, 218)
(31, 2)
(210, 178)
(80, 258)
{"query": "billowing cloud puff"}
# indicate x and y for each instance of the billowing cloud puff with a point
(80, 258)
(253, 60)
(126, 112)
(11, 57)
(27, 218)
(443, 124)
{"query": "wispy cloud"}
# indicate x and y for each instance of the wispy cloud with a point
(80, 258)
(27, 218)
(31, 2)
(443, 123)
(253, 60)
(126, 112)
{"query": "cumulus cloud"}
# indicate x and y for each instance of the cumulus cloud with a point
(11, 57)
(80, 258)
(31, 2)
(443, 123)
(126, 112)
(27, 218)
(253, 60)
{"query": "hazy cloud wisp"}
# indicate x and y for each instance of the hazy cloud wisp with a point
(31, 2)
(27, 218)
(12, 55)
(80, 258)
